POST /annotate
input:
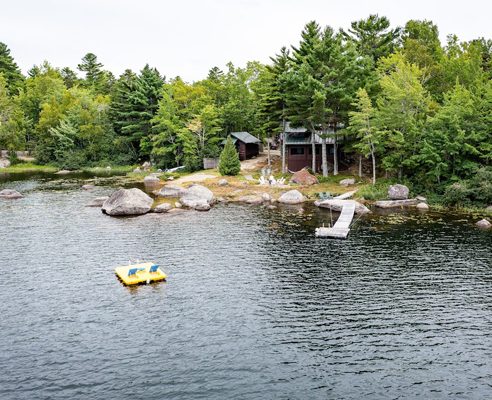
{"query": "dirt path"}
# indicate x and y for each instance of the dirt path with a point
(257, 163)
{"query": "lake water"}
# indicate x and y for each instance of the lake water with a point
(254, 308)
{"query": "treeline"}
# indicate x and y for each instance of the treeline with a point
(418, 109)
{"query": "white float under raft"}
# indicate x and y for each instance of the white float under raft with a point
(137, 274)
(341, 228)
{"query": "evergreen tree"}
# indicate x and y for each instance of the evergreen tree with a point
(135, 105)
(69, 77)
(229, 163)
(372, 36)
(10, 71)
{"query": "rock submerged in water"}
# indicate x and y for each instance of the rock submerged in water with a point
(303, 177)
(484, 224)
(127, 202)
(396, 203)
(196, 195)
(88, 187)
(337, 205)
(10, 194)
(398, 192)
(97, 202)
(292, 197)
(151, 180)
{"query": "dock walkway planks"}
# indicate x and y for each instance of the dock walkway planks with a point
(341, 228)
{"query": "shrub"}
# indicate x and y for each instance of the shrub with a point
(229, 163)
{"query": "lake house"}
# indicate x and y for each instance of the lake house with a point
(299, 150)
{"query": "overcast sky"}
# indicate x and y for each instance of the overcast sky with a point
(188, 37)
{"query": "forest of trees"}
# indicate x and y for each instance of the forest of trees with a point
(397, 96)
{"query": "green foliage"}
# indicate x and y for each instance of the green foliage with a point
(14, 81)
(476, 190)
(229, 163)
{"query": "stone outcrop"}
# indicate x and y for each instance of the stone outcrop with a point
(292, 197)
(337, 205)
(127, 202)
(196, 195)
(303, 177)
(484, 224)
(347, 182)
(398, 192)
(97, 202)
(396, 203)
(10, 194)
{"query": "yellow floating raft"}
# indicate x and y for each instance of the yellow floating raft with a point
(140, 273)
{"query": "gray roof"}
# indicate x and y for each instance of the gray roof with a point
(245, 137)
(303, 138)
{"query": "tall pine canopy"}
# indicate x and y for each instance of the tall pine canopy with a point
(10, 71)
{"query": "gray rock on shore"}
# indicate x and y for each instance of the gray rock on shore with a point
(223, 182)
(4, 163)
(251, 199)
(163, 208)
(422, 206)
(292, 197)
(398, 192)
(127, 202)
(10, 194)
(197, 196)
(170, 191)
(88, 186)
(396, 203)
(347, 182)
(151, 180)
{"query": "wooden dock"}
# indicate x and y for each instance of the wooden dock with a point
(341, 228)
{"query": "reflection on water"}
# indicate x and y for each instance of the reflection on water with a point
(255, 306)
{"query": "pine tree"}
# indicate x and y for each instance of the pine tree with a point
(229, 163)
(10, 71)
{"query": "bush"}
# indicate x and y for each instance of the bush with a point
(456, 194)
(474, 191)
(229, 163)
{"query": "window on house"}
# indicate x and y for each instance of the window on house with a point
(318, 151)
(296, 151)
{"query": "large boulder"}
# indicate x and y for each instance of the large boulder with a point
(398, 192)
(292, 197)
(196, 195)
(10, 194)
(303, 177)
(347, 182)
(151, 180)
(97, 202)
(170, 191)
(127, 202)
(337, 205)
(484, 224)
(4, 163)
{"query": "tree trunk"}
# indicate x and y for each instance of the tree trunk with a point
(373, 167)
(335, 156)
(360, 165)
(313, 148)
(284, 170)
(324, 161)
(269, 158)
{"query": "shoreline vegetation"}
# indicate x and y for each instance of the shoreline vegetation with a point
(391, 103)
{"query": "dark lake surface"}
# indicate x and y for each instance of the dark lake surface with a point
(255, 307)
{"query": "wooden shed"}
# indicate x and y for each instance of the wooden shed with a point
(246, 144)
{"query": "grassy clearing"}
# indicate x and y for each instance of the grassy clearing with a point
(29, 167)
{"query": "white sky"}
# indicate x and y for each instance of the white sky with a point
(188, 37)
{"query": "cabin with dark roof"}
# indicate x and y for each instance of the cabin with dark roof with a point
(246, 144)
(299, 150)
